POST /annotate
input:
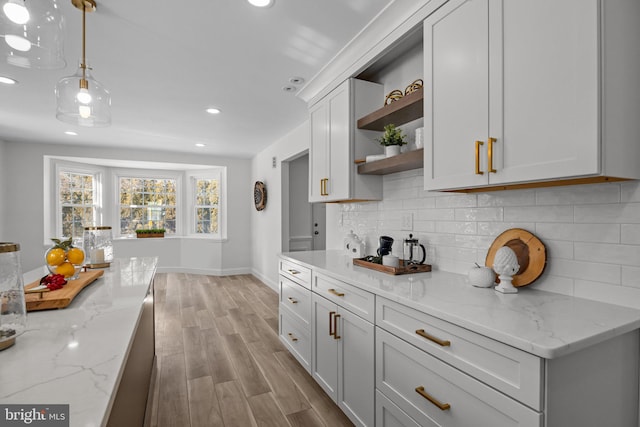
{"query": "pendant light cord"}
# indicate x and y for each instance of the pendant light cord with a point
(84, 40)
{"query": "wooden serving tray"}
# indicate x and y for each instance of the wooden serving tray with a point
(59, 298)
(402, 269)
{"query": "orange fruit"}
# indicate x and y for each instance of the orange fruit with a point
(55, 256)
(66, 269)
(75, 256)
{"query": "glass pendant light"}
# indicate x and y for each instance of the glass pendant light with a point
(32, 33)
(81, 100)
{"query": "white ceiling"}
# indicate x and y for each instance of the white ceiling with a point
(164, 62)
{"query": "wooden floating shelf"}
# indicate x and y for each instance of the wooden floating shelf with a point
(404, 110)
(402, 162)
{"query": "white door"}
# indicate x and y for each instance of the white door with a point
(319, 155)
(324, 347)
(547, 79)
(356, 369)
(456, 68)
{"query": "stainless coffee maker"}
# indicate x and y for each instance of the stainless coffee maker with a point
(413, 252)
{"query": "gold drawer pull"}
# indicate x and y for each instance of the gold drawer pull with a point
(336, 293)
(294, 339)
(442, 406)
(423, 334)
(294, 272)
(292, 300)
(478, 144)
(335, 327)
(490, 155)
(331, 332)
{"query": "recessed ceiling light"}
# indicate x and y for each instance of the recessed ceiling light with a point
(261, 3)
(213, 110)
(289, 88)
(199, 144)
(72, 133)
(7, 80)
(296, 80)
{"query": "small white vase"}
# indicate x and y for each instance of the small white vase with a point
(391, 150)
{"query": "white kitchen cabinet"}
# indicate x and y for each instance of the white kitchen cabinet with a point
(295, 310)
(342, 351)
(336, 143)
(514, 101)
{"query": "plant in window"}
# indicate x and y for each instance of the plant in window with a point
(150, 232)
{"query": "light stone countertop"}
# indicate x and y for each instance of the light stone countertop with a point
(76, 355)
(546, 324)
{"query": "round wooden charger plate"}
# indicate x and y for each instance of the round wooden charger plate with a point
(531, 253)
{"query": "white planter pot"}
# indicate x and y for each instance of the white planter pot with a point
(391, 150)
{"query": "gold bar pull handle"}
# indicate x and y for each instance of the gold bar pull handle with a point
(332, 333)
(323, 187)
(423, 334)
(442, 406)
(336, 293)
(326, 190)
(292, 338)
(294, 272)
(478, 171)
(335, 327)
(292, 300)
(490, 154)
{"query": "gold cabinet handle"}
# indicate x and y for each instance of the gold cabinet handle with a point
(423, 334)
(335, 327)
(490, 154)
(292, 338)
(478, 171)
(442, 406)
(336, 293)
(323, 187)
(331, 324)
(292, 300)
(294, 272)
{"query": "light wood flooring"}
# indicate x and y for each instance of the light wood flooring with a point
(221, 363)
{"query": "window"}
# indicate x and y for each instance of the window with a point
(78, 202)
(206, 207)
(147, 203)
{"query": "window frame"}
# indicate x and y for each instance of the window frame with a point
(219, 173)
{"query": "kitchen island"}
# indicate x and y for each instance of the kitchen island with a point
(90, 354)
(430, 349)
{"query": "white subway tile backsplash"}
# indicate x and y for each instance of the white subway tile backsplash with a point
(591, 232)
(598, 233)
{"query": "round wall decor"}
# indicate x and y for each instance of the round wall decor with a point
(260, 195)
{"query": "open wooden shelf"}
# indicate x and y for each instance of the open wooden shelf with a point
(404, 110)
(402, 162)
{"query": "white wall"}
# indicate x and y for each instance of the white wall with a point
(266, 225)
(22, 183)
(3, 183)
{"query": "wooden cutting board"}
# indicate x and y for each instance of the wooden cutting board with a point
(59, 298)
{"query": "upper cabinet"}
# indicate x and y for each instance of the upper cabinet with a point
(336, 143)
(525, 91)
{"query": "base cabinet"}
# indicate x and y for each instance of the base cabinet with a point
(343, 359)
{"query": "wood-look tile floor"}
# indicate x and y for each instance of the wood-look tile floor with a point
(221, 363)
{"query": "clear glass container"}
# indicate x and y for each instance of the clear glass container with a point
(13, 312)
(98, 246)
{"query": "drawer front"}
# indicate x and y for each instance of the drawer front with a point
(389, 415)
(296, 299)
(512, 371)
(357, 301)
(296, 339)
(296, 272)
(433, 392)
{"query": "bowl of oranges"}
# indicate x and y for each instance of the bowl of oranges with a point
(64, 258)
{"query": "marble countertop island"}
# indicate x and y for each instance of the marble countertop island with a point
(76, 355)
(546, 324)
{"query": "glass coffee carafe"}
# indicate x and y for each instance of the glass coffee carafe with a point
(413, 252)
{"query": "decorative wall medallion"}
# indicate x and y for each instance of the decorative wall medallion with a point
(260, 195)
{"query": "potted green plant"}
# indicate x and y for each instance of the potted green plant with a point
(392, 140)
(150, 232)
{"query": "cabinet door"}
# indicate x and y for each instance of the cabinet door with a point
(324, 347)
(319, 156)
(456, 68)
(547, 78)
(340, 145)
(356, 369)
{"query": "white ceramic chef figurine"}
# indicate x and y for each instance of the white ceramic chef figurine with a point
(505, 264)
